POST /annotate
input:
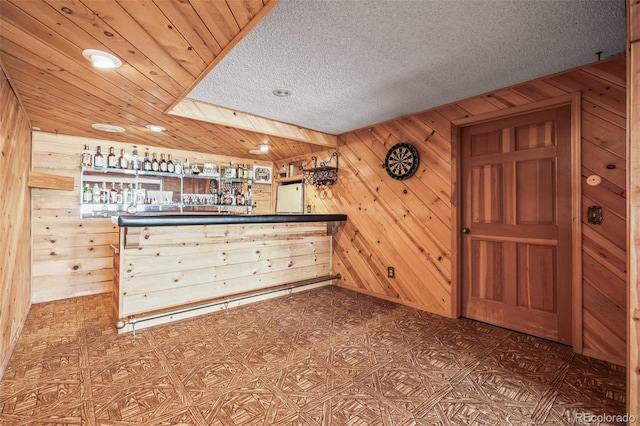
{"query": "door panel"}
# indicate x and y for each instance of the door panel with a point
(535, 192)
(487, 283)
(536, 282)
(487, 199)
(515, 197)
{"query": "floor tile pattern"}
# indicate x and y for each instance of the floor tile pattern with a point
(326, 357)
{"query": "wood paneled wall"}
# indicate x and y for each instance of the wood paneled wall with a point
(72, 256)
(15, 282)
(633, 164)
(409, 224)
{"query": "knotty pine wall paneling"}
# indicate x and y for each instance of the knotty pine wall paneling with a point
(72, 256)
(410, 225)
(15, 280)
(633, 206)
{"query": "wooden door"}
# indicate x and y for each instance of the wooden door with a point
(516, 219)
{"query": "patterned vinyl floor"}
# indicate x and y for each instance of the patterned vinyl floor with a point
(323, 357)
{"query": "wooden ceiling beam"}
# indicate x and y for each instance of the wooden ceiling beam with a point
(203, 111)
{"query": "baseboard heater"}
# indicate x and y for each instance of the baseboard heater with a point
(132, 321)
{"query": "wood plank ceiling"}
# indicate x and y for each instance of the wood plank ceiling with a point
(166, 46)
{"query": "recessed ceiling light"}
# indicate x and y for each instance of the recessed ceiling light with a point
(155, 128)
(108, 128)
(282, 93)
(101, 59)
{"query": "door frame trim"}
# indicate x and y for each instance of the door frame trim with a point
(574, 100)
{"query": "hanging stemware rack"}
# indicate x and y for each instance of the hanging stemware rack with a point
(323, 173)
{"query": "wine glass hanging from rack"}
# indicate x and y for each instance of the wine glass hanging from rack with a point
(324, 173)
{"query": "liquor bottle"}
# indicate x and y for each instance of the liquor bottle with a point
(120, 196)
(155, 166)
(113, 194)
(146, 166)
(95, 193)
(178, 166)
(86, 156)
(98, 159)
(163, 164)
(186, 167)
(132, 195)
(104, 193)
(124, 162)
(239, 171)
(135, 160)
(126, 199)
(111, 159)
(87, 194)
(171, 168)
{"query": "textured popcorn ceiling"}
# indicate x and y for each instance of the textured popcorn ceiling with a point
(353, 63)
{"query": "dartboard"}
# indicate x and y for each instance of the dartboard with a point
(401, 161)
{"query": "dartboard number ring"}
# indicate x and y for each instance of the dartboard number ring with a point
(401, 161)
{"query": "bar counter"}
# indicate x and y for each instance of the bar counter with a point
(217, 219)
(174, 266)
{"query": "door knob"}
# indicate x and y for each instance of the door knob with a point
(465, 230)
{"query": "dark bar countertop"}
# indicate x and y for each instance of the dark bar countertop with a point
(139, 220)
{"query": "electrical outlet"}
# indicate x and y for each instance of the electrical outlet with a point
(391, 272)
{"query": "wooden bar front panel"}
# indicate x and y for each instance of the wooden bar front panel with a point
(170, 266)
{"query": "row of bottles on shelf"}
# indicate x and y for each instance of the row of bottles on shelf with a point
(150, 163)
(130, 162)
(230, 194)
(104, 195)
(238, 198)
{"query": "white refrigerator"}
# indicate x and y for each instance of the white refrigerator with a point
(290, 198)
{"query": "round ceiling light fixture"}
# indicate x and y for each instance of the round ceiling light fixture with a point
(102, 60)
(262, 149)
(155, 128)
(282, 93)
(107, 128)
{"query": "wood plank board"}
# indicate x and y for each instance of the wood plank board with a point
(633, 209)
(15, 218)
(50, 181)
